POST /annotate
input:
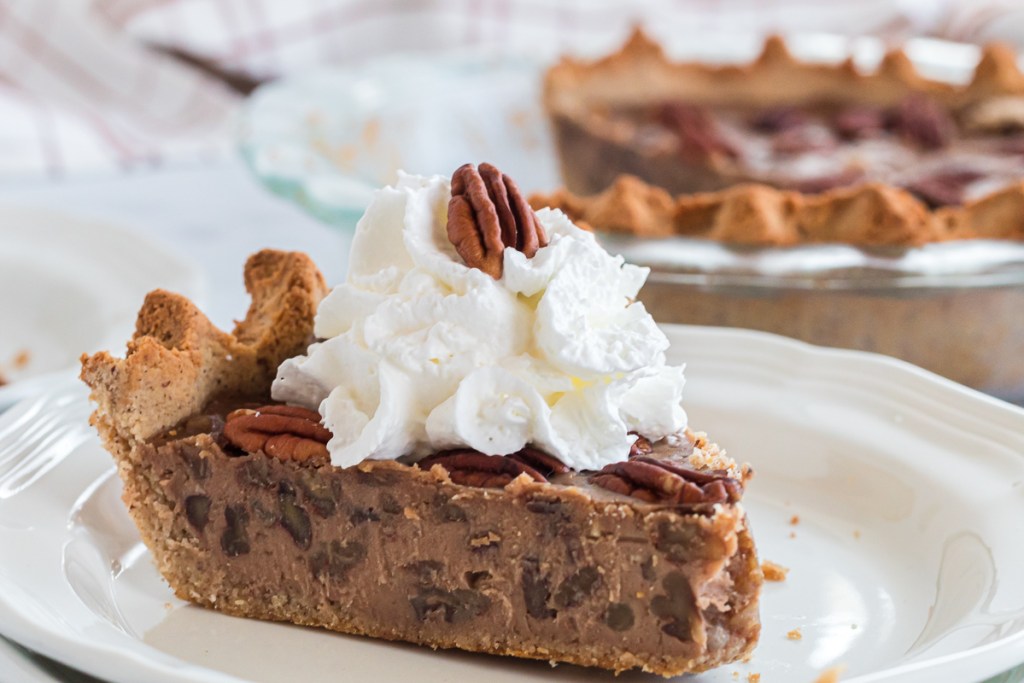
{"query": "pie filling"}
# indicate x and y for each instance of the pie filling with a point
(659, 472)
(569, 568)
(943, 157)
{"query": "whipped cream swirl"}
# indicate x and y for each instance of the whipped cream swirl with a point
(422, 353)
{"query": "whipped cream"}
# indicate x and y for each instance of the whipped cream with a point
(422, 353)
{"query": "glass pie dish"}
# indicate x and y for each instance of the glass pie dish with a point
(954, 308)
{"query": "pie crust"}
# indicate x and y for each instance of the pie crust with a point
(865, 215)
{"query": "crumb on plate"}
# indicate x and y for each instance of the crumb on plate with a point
(795, 634)
(794, 520)
(831, 675)
(773, 571)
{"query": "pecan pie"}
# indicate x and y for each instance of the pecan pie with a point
(693, 127)
(648, 563)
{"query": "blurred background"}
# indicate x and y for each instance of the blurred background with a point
(157, 143)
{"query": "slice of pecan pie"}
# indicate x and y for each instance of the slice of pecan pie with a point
(695, 127)
(647, 563)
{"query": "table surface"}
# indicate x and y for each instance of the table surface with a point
(215, 216)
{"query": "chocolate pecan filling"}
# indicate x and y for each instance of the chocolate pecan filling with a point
(658, 481)
(472, 468)
(295, 433)
(284, 432)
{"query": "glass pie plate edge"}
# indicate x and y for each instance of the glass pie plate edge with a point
(894, 497)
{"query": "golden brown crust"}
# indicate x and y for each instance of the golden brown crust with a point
(641, 72)
(869, 215)
(178, 360)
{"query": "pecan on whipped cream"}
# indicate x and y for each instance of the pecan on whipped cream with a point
(483, 344)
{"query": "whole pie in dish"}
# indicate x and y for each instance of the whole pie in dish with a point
(454, 448)
(693, 127)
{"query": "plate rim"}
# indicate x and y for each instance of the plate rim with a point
(970, 664)
(191, 280)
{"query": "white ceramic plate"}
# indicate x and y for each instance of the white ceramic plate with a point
(906, 563)
(70, 285)
(328, 138)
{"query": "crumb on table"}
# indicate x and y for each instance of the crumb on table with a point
(795, 634)
(21, 359)
(753, 678)
(773, 571)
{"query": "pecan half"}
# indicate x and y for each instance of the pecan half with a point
(540, 461)
(854, 123)
(654, 480)
(923, 121)
(284, 432)
(707, 478)
(488, 213)
(777, 119)
(698, 133)
(472, 468)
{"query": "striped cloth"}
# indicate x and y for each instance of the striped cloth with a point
(101, 85)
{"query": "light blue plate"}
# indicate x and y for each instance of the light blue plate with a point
(329, 138)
